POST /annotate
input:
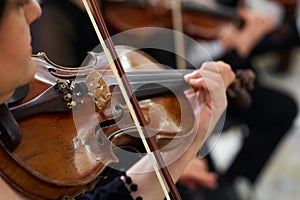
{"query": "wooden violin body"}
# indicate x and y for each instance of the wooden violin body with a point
(205, 15)
(68, 141)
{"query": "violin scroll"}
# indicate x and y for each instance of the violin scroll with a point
(239, 88)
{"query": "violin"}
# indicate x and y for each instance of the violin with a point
(73, 119)
(205, 15)
(65, 147)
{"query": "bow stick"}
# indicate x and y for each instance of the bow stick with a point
(130, 99)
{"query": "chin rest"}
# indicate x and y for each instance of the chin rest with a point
(19, 94)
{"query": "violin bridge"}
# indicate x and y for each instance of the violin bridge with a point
(98, 88)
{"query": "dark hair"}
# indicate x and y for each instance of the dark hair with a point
(2, 6)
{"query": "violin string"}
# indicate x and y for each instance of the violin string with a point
(127, 100)
(147, 78)
(164, 74)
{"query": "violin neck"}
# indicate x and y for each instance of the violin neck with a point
(216, 10)
(147, 84)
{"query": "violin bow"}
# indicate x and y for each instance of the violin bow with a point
(177, 21)
(130, 99)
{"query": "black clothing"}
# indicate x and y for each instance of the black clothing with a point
(113, 190)
(282, 39)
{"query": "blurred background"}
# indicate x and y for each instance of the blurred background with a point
(280, 179)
